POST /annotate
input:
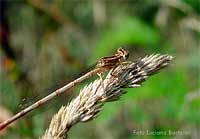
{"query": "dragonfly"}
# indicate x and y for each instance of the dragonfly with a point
(103, 64)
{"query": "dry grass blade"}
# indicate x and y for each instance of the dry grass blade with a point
(89, 102)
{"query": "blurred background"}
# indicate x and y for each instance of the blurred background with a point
(47, 43)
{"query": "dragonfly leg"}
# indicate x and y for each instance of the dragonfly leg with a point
(126, 62)
(112, 70)
(121, 63)
(101, 80)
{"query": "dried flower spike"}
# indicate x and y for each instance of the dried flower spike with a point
(89, 102)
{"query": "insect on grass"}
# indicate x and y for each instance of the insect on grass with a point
(103, 64)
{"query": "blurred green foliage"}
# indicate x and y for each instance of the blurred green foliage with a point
(54, 40)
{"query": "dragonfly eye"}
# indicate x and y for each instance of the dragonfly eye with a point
(126, 56)
(123, 53)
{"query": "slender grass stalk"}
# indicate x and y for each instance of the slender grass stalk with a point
(92, 97)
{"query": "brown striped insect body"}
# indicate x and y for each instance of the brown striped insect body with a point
(109, 62)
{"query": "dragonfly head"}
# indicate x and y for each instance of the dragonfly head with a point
(123, 53)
